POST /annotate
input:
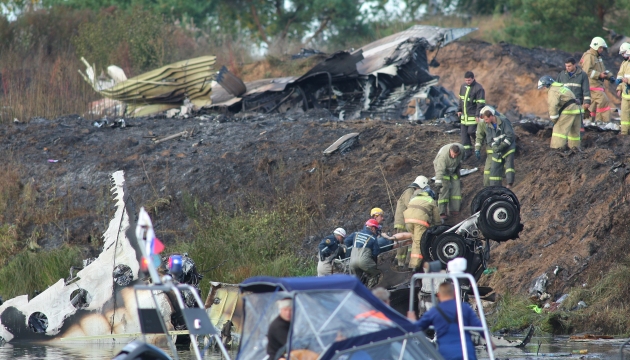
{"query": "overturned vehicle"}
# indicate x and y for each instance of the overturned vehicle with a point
(387, 79)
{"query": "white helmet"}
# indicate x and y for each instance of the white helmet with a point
(487, 108)
(421, 181)
(597, 42)
(623, 48)
(340, 231)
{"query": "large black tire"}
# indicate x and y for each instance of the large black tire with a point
(427, 242)
(450, 246)
(499, 219)
(485, 193)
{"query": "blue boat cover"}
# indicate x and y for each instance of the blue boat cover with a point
(263, 284)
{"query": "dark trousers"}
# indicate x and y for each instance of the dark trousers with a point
(468, 133)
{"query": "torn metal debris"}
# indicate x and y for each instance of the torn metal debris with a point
(157, 90)
(95, 304)
(343, 144)
(386, 79)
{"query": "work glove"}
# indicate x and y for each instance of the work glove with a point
(478, 154)
(438, 186)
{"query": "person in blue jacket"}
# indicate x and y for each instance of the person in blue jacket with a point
(364, 253)
(443, 317)
(329, 249)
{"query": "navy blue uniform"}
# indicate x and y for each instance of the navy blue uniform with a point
(364, 235)
(328, 246)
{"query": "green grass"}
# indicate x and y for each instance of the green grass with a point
(261, 240)
(29, 271)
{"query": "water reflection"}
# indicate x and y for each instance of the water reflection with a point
(27, 351)
(539, 348)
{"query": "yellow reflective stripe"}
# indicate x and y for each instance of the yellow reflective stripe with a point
(496, 160)
(446, 177)
(461, 96)
(442, 201)
(481, 101)
(456, 197)
(467, 147)
(489, 151)
(496, 178)
(465, 107)
(570, 112)
(559, 135)
(509, 152)
(573, 138)
(625, 96)
(486, 172)
(625, 122)
(510, 170)
(455, 177)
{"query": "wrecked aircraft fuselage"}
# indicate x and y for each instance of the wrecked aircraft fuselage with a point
(387, 79)
(97, 304)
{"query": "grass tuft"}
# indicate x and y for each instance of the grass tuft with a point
(30, 271)
(262, 240)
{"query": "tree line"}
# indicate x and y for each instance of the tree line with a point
(564, 24)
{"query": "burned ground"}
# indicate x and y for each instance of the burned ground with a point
(574, 205)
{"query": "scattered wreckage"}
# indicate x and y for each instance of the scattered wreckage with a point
(171, 86)
(97, 303)
(387, 79)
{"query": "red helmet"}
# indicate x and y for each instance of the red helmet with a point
(372, 223)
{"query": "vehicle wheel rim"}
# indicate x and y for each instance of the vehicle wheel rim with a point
(500, 215)
(450, 250)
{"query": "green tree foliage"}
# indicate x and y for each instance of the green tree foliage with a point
(134, 40)
(272, 21)
(176, 9)
(567, 24)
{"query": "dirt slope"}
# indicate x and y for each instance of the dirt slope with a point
(509, 73)
(575, 210)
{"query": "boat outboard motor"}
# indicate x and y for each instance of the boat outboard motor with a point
(137, 350)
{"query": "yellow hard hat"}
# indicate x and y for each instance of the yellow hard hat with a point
(376, 211)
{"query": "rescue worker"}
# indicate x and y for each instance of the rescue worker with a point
(364, 252)
(577, 81)
(330, 248)
(399, 219)
(500, 141)
(593, 66)
(383, 243)
(564, 111)
(422, 212)
(447, 164)
(472, 97)
(623, 88)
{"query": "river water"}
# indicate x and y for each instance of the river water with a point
(539, 348)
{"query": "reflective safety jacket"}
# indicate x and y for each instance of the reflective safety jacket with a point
(624, 72)
(401, 206)
(577, 83)
(359, 240)
(445, 166)
(471, 99)
(329, 248)
(557, 97)
(593, 65)
(423, 210)
(501, 138)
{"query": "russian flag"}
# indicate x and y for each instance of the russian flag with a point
(155, 246)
